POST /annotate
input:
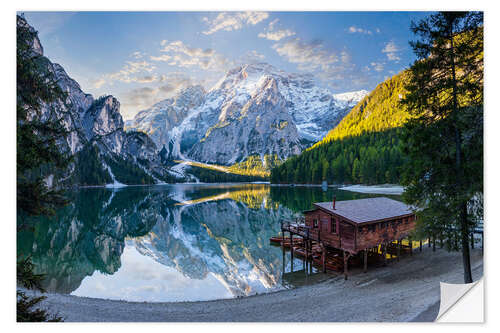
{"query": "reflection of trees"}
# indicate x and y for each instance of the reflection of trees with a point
(197, 230)
(252, 195)
(87, 235)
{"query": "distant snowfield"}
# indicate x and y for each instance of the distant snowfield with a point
(375, 189)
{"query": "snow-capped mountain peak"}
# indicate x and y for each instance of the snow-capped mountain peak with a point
(254, 109)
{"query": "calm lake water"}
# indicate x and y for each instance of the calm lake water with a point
(171, 242)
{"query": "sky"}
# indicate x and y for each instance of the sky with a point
(142, 58)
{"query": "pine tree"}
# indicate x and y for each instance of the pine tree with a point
(37, 137)
(37, 150)
(444, 140)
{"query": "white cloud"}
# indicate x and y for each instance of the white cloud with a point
(334, 68)
(142, 98)
(137, 54)
(163, 57)
(272, 34)
(179, 47)
(345, 57)
(377, 66)
(128, 73)
(353, 29)
(252, 57)
(313, 57)
(392, 51)
(276, 35)
(98, 83)
(233, 21)
(307, 55)
(147, 79)
(178, 54)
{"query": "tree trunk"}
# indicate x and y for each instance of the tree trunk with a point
(465, 244)
(459, 168)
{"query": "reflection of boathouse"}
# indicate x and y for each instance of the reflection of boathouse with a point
(332, 233)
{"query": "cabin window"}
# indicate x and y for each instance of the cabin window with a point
(315, 223)
(333, 225)
(371, 227)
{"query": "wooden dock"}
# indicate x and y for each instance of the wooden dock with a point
(354, 233)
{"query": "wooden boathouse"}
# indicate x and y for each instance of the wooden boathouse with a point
(351, 229)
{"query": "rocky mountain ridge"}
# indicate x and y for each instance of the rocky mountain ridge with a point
(254, 109)
(119, 156)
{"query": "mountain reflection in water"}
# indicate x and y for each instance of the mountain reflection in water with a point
(168, 242)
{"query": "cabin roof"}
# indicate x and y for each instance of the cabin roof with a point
(367, 210)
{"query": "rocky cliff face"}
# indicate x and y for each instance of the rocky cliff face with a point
(257, 126)
(97, 122)
(253, 110)
(163, 117)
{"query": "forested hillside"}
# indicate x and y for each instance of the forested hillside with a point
(363, 148)
(371, 158)
(378, 111)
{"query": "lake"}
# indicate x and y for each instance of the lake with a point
(171, 242)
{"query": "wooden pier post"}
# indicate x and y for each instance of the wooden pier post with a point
(311, 267)
(282, 234)
(429, 241)
(472, 240)
(385, 253)
(420, 244)
(304, 263)
(306, 246)
(399, 248)
(434, 244)
(323, 257)
(411, 245)
(365, 260)
(284, 259)
(346, 261)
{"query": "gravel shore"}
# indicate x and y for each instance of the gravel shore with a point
(407, 290)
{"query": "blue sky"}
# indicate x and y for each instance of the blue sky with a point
(142, 58)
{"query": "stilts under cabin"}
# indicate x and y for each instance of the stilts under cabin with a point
(334, 235)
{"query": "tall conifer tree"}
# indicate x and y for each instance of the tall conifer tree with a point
(37, 133)
(444, 139)
(37, 137)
